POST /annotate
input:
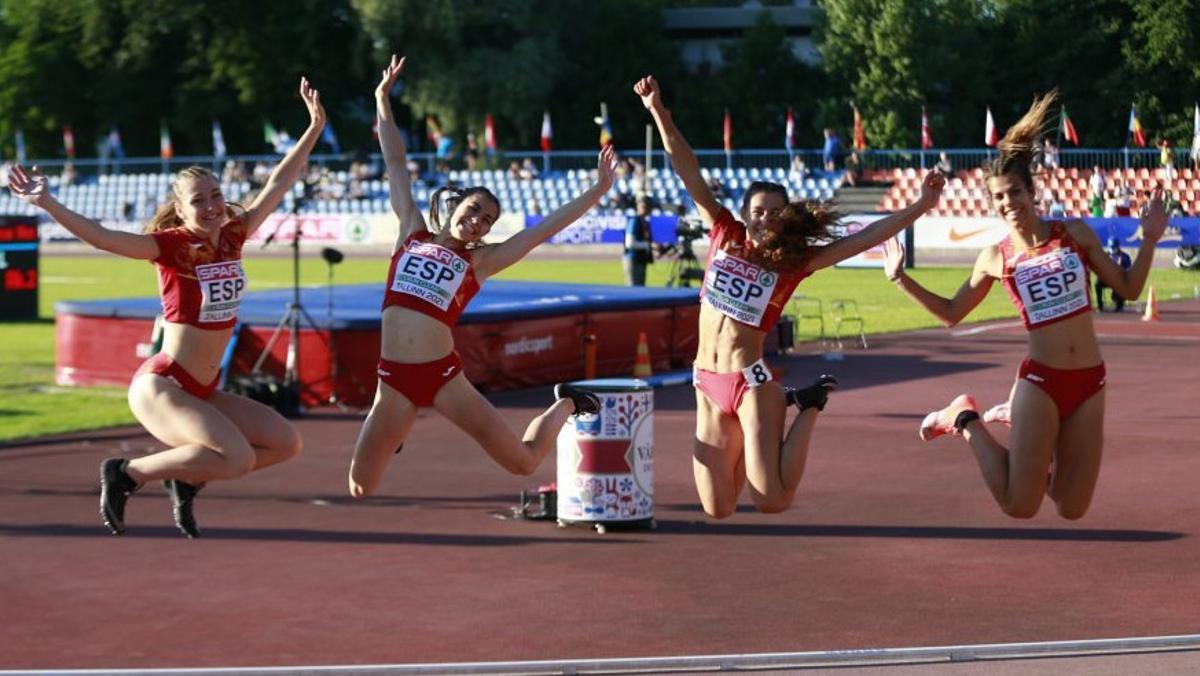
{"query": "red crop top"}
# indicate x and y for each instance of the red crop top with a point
(430, 279)
(741, 290)
(200, 284)
(1048, 283)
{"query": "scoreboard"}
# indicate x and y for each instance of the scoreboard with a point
(18, 267)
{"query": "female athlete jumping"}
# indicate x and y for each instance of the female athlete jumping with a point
(1057, 404)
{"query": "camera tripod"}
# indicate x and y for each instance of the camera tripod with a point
(685, 267)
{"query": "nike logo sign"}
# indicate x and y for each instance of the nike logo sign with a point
(449, 371)
(383, 373)
(956, 236)
(1034, 377)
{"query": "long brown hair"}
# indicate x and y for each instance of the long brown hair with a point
(455, 197)
(802, 225)
(1018, 146)
(166, 217)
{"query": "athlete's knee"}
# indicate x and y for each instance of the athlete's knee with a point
(1072, 511)
(720, 511)
(772, 504)
(292, 443)
(236, 463)
(1021, 510)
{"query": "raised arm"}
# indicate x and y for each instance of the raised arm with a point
(34, 189)
(1125, 283)
(395, 155)
(880, 230)
(290, 168)
(493, 259)
(949, 311)
(682, 158)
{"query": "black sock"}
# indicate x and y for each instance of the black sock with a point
(963, 418)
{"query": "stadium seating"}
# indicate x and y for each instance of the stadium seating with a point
(133, 197)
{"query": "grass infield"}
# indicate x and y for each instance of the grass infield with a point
(32, 405)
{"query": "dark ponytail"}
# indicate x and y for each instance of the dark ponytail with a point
(456, 196)
(1018, 146)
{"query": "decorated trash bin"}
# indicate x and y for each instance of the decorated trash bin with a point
(606, 461)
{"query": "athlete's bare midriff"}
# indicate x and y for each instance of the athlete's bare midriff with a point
(198, 351)
(726, 345)
(1068, 344)
(411, 337)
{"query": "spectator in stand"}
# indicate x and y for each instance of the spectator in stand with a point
(853, 174)
(1049, 154)
(717, 189)
(514, 170)
(944, 165)
(414, 172)
(1054, 206)
(1096, 206)
(1097, 182)
(534, 207)
(529, 170)
(832, 151)
(799, 170)
(1166, 159)
(68, 175)
(1120, 258)
(1124, 198)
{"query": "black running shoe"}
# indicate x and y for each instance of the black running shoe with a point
(182, 496)
(813, 396)
(585, 402)
(115, 488)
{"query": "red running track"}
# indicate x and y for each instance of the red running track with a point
(892, 542)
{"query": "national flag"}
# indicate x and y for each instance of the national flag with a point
(1196, 134)
(218, 140)
(991, 136)
(606, 136)
(114, 143)
(789, 131)
(860, 134)
(1067, 127)
(330, 139)
(69, 142)
(727, 129)
(489, 133)
(270, 136)
(20, 140)
(165, 150)
(433, 130)
(1135, 128)
(926, 136)
(547, 132)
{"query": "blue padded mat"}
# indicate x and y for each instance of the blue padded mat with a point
(357, 306)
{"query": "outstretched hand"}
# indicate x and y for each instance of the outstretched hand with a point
(32, 188)
(390, 74)
(1154, 216)
(893, 259)
(312, 100)
(606, 167)
(931, 188)
(647, 88)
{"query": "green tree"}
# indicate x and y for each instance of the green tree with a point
(1161, 66)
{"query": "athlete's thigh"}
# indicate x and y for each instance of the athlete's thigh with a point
(717, 451)
(262, 425)
(1031, 443)
(177, 418)
(464, 406)
(761, 414)
(1077, 462)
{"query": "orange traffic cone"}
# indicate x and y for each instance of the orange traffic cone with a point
(641, 367)
(1151, 314)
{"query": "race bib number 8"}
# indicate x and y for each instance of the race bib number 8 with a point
(221, 288)
(431, 273)
(1052, 285)
(737, 289)
(757, 374)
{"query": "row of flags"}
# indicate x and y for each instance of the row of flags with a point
(280, 142)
